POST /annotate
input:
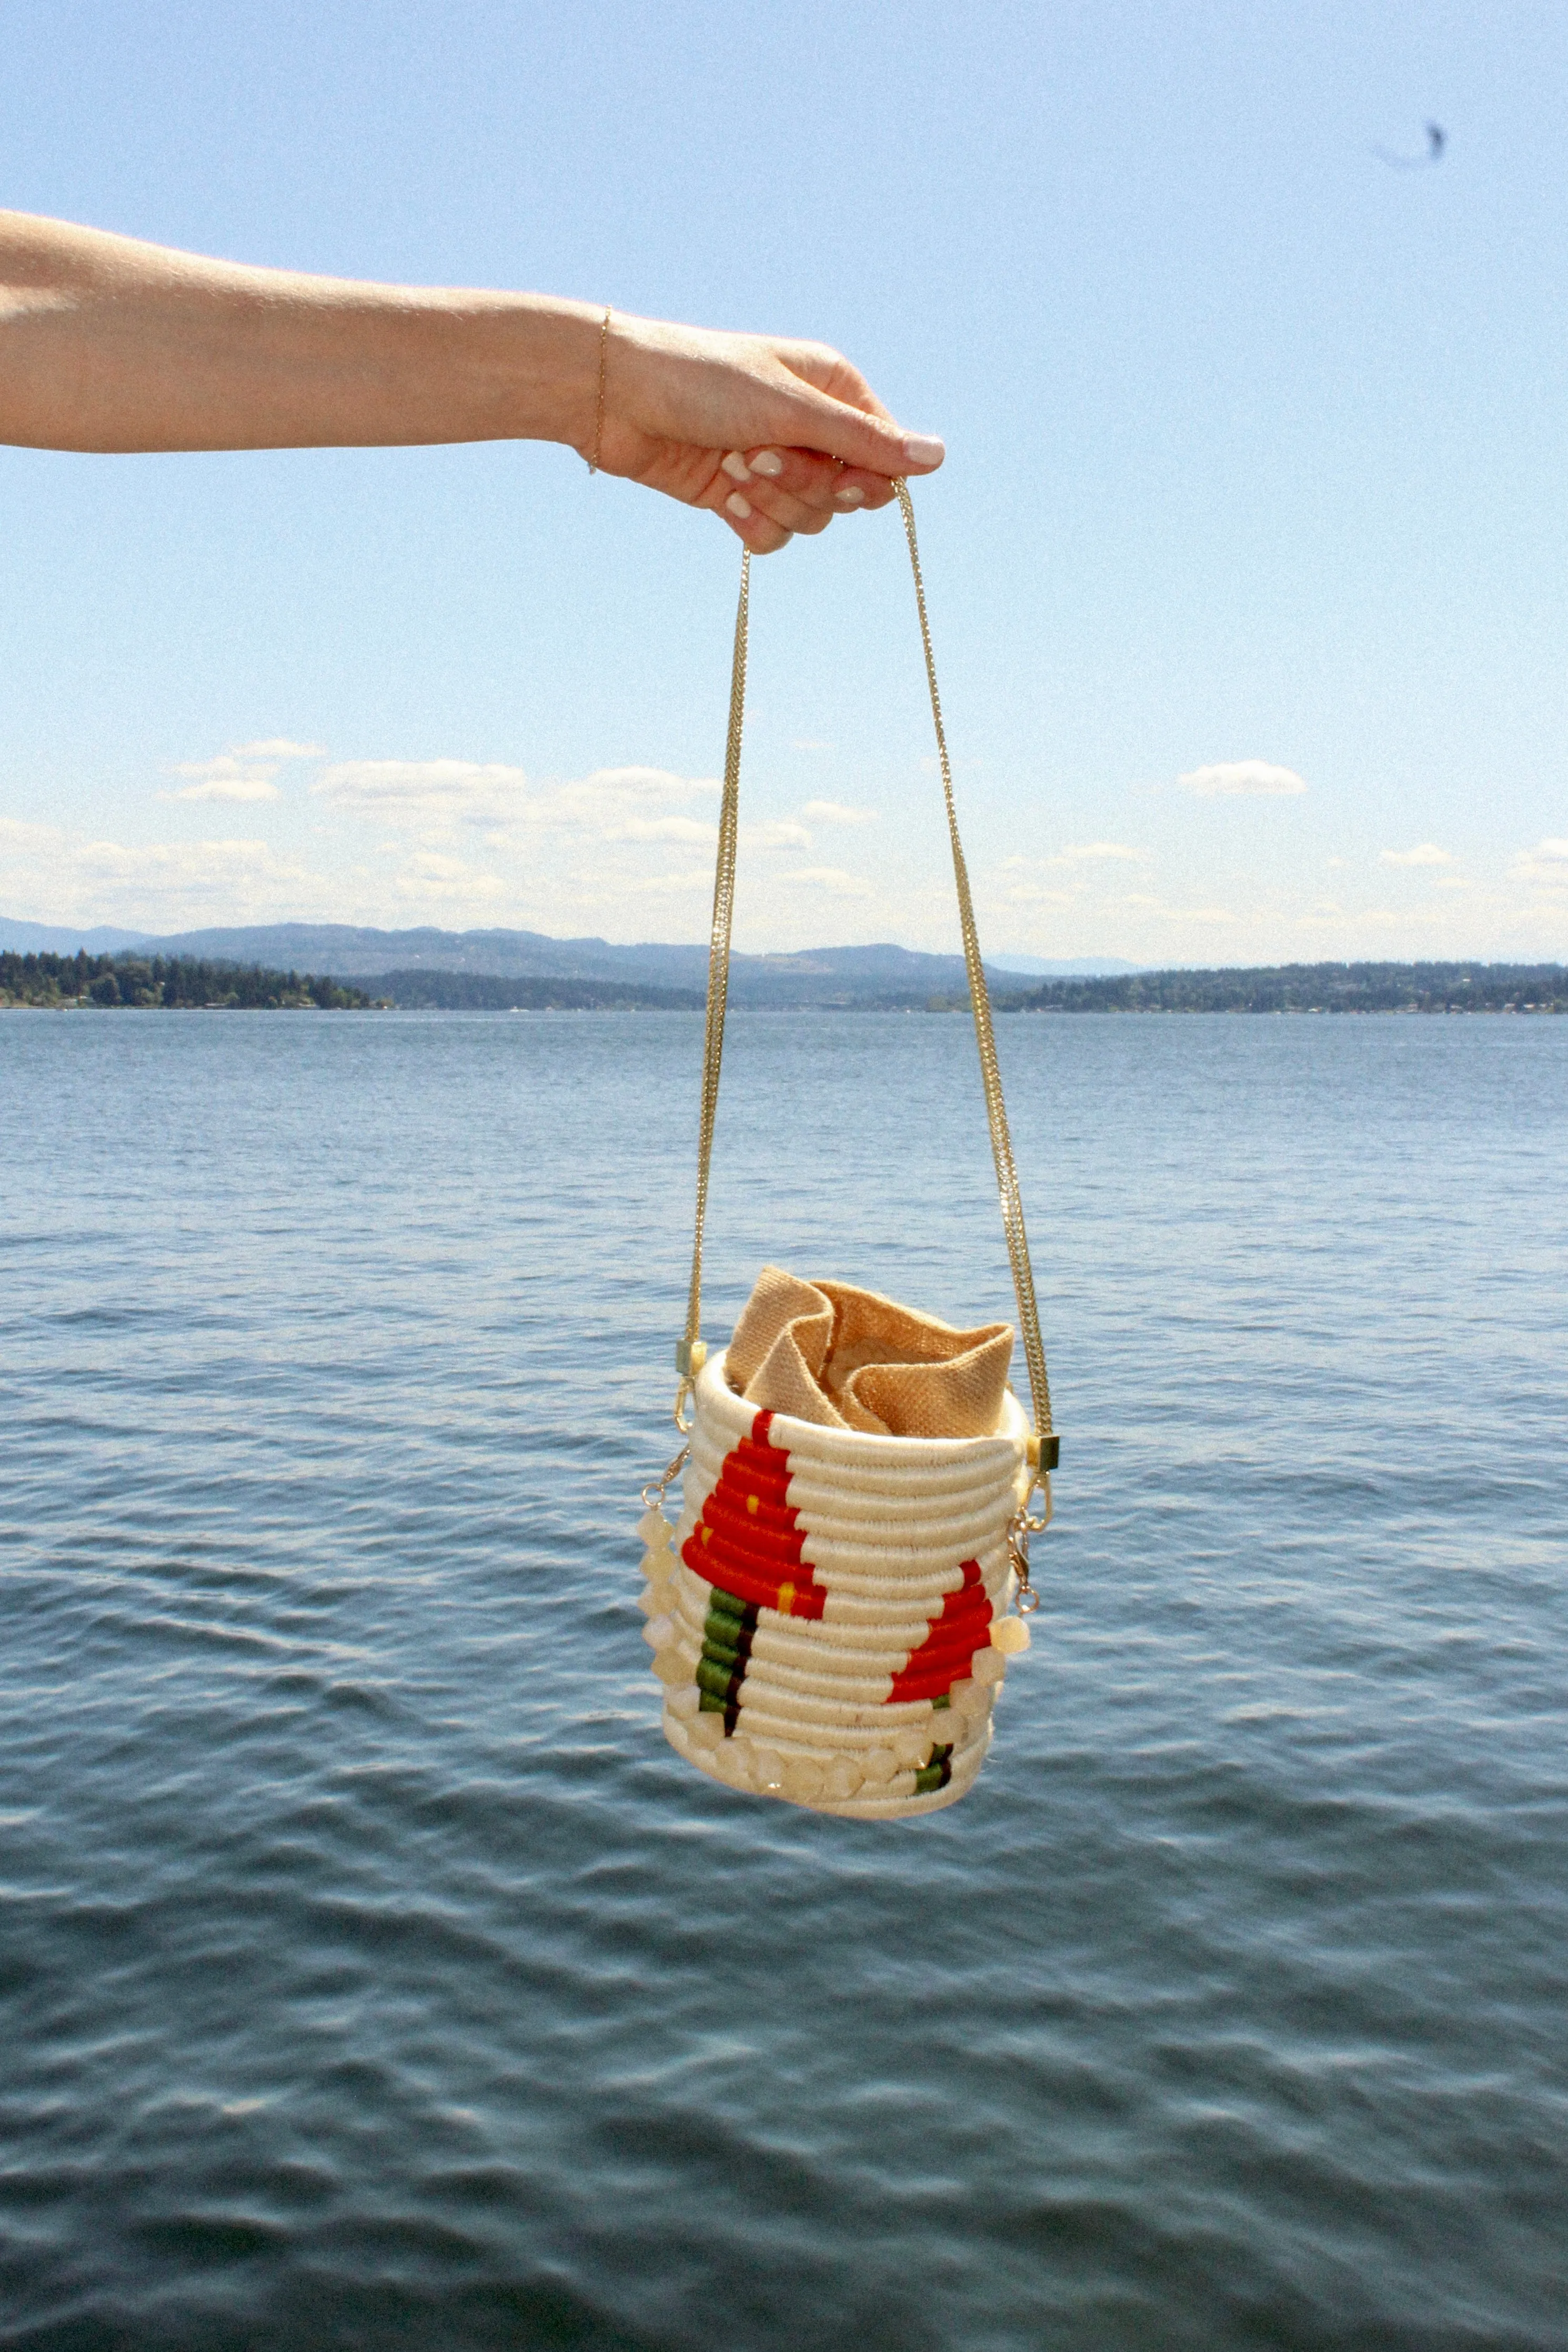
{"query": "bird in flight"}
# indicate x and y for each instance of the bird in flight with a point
(1437, 141)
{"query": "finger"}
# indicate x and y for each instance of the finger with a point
(756, 529)
(790, 514)
(865, 442)
(805, 476)
(858, 490)
(819, 481)
(865, 436)
(792, 487)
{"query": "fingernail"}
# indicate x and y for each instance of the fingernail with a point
(768, 462)
(853, 497)
(735, 465)
(924, 449)
(737, 506)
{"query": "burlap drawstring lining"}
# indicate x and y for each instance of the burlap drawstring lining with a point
(847, 1359)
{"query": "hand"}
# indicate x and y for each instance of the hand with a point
(774, 436)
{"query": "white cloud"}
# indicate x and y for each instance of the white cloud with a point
(244, 772)
(229, 777)
(837, 813)
(832, 879)
(429, 879)
(809, 743)
(279, 747)
(773, 833)
(225, 788)
(620, 804)
(1251, 778)
(436, 799)
(657, 828)
(666, 885)
(1425, 853)
(1160, 910)
(637, 805)
(1078, 858)
(154, 886)
(415, 790)
(1547, 862)
(628, 851)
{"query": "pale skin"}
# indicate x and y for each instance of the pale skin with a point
(110, 345)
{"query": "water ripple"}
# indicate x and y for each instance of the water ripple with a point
(373, 1974)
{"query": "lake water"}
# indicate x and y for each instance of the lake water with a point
(370, 1973)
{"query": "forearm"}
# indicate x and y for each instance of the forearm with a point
(106, 343)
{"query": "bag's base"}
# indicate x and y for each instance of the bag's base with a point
(729, 1763)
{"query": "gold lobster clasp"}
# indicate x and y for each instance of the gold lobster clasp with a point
(1024, 1523)
(691, 1355)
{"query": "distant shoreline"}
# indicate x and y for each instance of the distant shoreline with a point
(128, 979)
(1309, 989)
(502, 971)
(47, 982)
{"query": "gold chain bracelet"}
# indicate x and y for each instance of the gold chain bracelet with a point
(599, 411)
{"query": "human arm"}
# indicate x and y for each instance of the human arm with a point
(110, 345)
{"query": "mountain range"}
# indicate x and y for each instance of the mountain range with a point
(350, 951)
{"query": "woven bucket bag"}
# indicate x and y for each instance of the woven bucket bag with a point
(832, 1617)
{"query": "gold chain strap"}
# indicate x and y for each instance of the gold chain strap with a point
(690, 1354)
(980, 998)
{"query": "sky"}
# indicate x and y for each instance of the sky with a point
(1247, 568)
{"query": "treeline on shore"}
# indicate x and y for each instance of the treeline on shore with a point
(478, 991)
(1283, 988)
(129, 978)
(179, 981)
(1311, 988)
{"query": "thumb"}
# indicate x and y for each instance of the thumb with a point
(874, 443)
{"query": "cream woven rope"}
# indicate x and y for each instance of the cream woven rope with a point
(690, 1354)
(831, 1619)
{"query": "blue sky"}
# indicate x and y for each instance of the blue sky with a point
(1246, 567)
